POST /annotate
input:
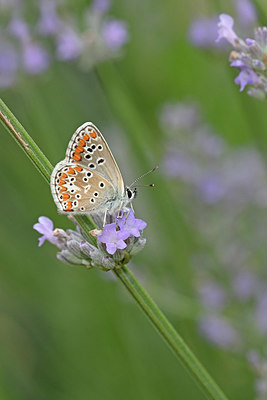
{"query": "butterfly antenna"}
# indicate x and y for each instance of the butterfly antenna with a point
(142, 176)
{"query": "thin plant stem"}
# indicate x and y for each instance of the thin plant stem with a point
(171, 336)
(159, 321)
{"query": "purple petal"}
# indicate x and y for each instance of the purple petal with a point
(41, 240)
(121, 244)
(246, 77)
(225, 29)
(111, 248)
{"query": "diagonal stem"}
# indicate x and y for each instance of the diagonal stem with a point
(160, 322)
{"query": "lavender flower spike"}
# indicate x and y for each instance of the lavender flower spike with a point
(225, 30)
(128, 223)
(112, 238)
(46, 227)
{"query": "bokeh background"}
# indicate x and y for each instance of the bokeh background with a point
(162, 93)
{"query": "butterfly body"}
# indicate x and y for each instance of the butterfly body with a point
(88, 180)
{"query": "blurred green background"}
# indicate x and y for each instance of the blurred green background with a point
(70, 333)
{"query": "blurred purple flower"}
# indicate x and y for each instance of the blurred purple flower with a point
(130, 224)
(178, 164)
(112, 238)
(203, 32)
(225, 29)
(211, 188)
(35, 58)
(8, 65)
(246, 77)
(46, 227)
(219, 331)
(245, 285)
(101, 6)
(69, 44)
(179, 115)
(261, 314)
(212, 295)
(115, 34)
(49, 21)
(19, 29)
(246, 12)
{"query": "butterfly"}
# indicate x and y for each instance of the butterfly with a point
(88, 180)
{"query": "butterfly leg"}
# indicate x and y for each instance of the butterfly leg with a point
(105, 218)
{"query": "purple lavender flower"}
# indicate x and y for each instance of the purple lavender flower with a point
(245, 285)
(219, 331)
(115, 34)
(101, 6)
(49, 21)
(211, 188)
(225, 30)
(246, 77)
(128, 223)
(112, 238)
(8, 65)
(35, 58)
(246, 12)
(203, 32)
(46, 227)
(212, 295)
(261, 314)
(19, 29)
(69, 44)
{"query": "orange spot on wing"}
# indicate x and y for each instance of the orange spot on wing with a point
(71, 171)
(78, 168)
(76, 157)
(82, 142)
(65, 196)
(61, 182)
(86, 137)
(79, 149)
(68, 209)
(64, 176)
(63, 189)
(93, 134)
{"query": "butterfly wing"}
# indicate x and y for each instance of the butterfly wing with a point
(78, 189)
(89, 149)
(88, 179)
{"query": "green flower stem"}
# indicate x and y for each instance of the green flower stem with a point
(160, 322)
(167, 331)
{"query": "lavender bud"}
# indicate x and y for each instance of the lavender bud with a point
(74, 248)
(68, 258)
(138, 246)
